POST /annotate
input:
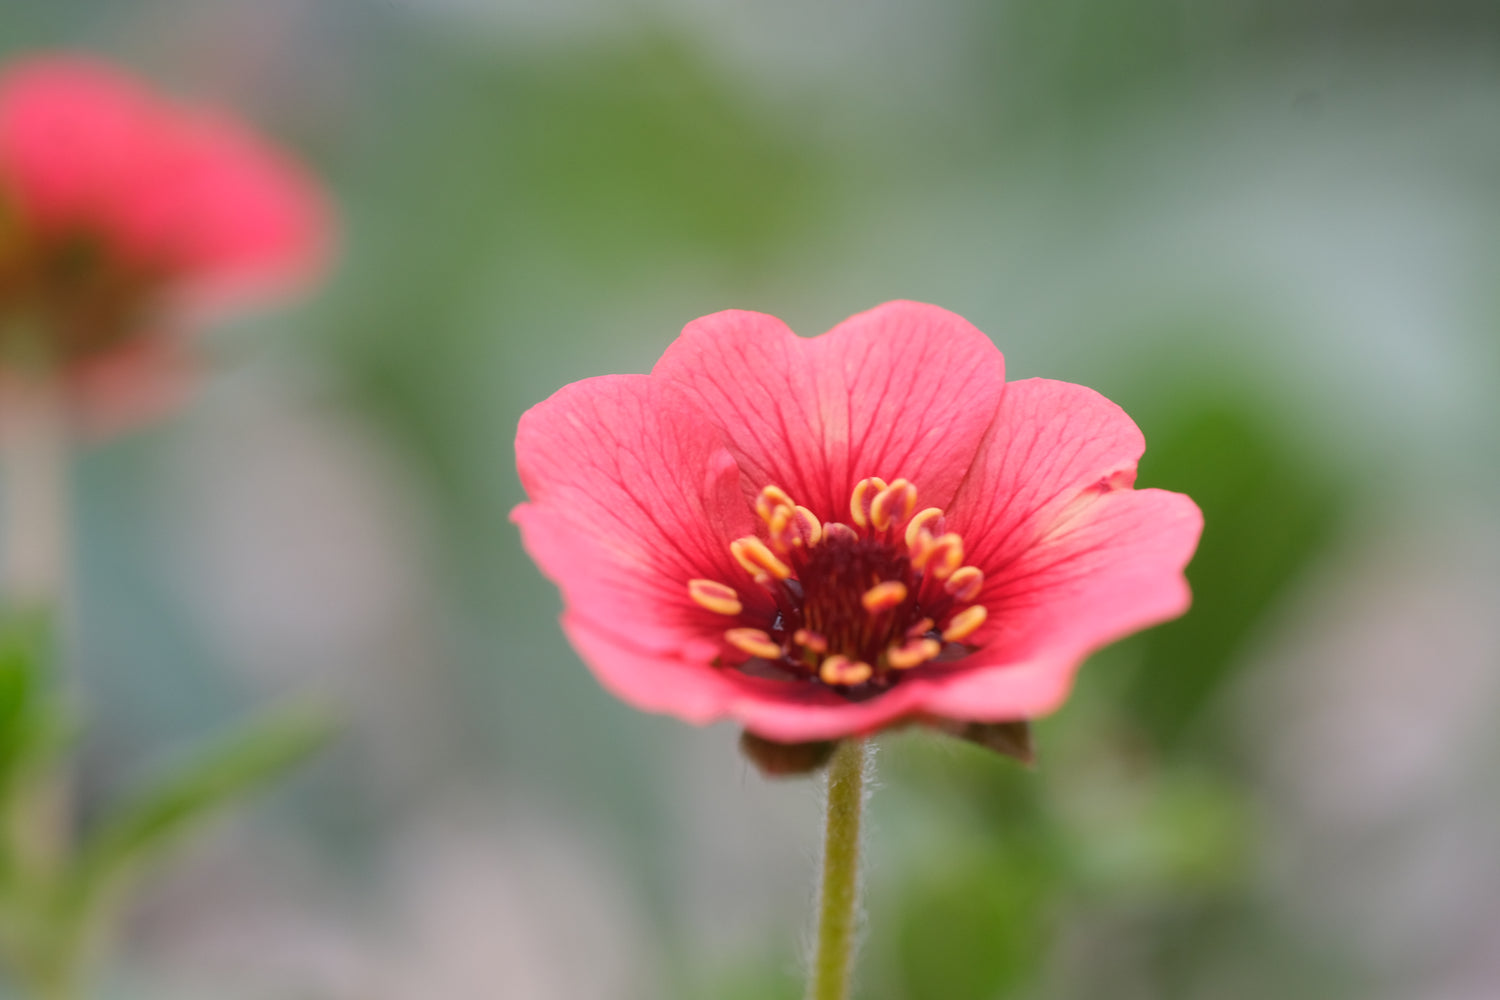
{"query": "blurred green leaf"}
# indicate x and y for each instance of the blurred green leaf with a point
(1267, 515)
(149, 823)
(33, 722)
(25, 651)
(1180, 834)
(978, 927)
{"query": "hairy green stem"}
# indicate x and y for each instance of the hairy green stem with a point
(838, 899)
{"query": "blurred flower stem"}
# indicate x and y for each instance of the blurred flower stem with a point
(33, 576)
(34, 475)
(838, 899)
(34, 456)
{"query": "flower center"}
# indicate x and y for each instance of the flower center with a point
(69, 289)
(857, 603)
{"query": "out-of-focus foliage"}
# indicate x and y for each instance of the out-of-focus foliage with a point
(58, 885)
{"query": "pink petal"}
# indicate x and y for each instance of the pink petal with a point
(234, 216)
(1050, 442)
(904, 389)
(633, 495)
(72, 132)
(790, 712)
(1073, 557)
(1114, 572)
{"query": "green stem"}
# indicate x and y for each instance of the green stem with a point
(34, 508)
(838, 900)
(35, 814)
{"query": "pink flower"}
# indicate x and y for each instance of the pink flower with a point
(122, 215)
(822, 537)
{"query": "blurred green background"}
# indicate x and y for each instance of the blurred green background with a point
(1271, 231)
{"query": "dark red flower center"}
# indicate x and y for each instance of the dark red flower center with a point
(67, 295)
(857, 604)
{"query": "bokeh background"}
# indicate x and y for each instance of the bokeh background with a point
(1271, 230)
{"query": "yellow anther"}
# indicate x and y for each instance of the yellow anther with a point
(753, 554)
(769, 500)
(842, 670)
(809, 529)
(965, 583)
(893, 505)
(863, 495)
(715, 596)
(920, 629)
(941, 556)
(778, 523)
(883, 596)
(925, 521)
(794, 527)
(913, 653)
(808, 639)
(753, 642)
(963, 624)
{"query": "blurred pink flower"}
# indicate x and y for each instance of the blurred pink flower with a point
(123, 217)
(822, 537)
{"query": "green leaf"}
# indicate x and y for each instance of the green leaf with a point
(33, 721)
(152, 821)
(26, 652)
(1269, 512)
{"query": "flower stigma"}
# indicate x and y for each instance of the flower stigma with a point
(857, 603)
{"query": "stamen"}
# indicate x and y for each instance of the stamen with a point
(913, 653)
(925, 522)
(779, 521)
(809, 528)
(920, 629)
(715, 596)
(808, 639)
(863, 496)
(941, 556)
(756, 557)
(964, 624)
(884, 596)
(769, 500)
(893, 505)
(965, 584)
(754, 642)
(842, 670)
(795, 527)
